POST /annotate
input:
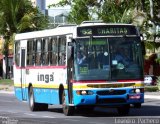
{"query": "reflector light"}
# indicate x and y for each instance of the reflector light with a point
(134, 97)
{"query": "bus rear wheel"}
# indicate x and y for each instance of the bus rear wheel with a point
(33, 105)
(123, 110)
(67, 110)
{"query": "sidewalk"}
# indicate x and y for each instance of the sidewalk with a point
(6, 89)
(152, 95)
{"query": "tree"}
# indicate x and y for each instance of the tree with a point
(18, 16)
(80, 9)
(143, 13)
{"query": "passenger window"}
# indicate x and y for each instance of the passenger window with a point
(31, 52)
(53, 52)
(62, 51)
(17, 53)
(38, 52)
(44, 55)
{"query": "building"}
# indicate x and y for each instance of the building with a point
(57, 15)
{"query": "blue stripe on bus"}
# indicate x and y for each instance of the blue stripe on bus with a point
(93, 99)
(51, 96)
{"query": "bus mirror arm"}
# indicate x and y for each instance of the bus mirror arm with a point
(143, 48)
(70, 52)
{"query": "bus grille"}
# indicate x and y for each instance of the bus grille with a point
(111, 100)
(114, 92)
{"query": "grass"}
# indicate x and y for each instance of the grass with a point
(6, 81)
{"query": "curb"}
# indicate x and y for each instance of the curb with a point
(6, 92)
(152, 96)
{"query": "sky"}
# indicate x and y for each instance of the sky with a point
(48, 2)
(59, 10)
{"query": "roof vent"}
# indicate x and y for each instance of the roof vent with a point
(67, 25)
(86, 22)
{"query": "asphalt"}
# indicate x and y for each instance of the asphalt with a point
(10, 90)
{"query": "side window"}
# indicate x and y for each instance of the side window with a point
(53, 51)
(62, 50)
(17, 53)
(30, 53)
(44, 54)
(38, 52)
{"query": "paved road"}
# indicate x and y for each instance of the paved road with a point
(13, 111)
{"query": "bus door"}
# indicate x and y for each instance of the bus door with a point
(23, 73)
(69, 67)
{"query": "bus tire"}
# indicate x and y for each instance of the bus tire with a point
(67, 110)
(35, 106)
(123, 110)
(32, 105)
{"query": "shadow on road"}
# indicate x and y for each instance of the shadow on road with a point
(112, 112)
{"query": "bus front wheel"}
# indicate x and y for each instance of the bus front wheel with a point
(33, 105)
(67, 110)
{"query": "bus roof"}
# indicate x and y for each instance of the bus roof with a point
(95, 23)
(64, 29)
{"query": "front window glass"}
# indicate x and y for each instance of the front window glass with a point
(126, 58)
(102, 59)
(92, 59)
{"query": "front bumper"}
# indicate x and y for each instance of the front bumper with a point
(103, 97)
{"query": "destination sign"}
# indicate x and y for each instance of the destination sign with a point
(96, 42)
(106, 30)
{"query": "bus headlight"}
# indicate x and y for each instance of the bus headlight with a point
(84, 92)
(137, 91)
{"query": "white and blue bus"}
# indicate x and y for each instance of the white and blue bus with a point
(47, 70)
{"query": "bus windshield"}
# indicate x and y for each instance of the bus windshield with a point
(108, 58)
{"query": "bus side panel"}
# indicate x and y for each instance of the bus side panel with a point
(18, 93)
(42, 95)
(45, 83)
(17, 83)
(55, 96)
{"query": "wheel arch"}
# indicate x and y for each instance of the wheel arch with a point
(29, 87)
(61, 88)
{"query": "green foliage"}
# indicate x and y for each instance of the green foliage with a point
(158, 61)
(116, 11)
(6, 82)
(61, 3)
(81, 10)
(152, 45)
(151, 88)
(18, 16)
(158, 81)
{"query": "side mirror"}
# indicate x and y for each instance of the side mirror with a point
(70, 50)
